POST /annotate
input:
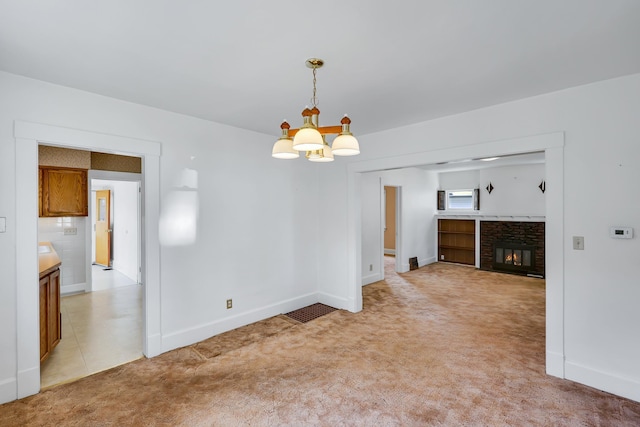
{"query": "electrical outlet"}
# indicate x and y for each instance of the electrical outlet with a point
(70, 231)
(578, 243)
(229, 304)
(370, 267)
(441, 257)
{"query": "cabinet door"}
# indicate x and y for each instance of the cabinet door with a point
(40, 172)
(64, 192)
(55, 329)
(44, 318)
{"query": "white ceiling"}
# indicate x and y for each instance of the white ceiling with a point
(387, 63)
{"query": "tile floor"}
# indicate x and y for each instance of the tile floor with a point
(100, 329)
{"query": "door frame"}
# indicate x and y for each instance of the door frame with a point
(552, 144)
(27, 137)
(114, 176)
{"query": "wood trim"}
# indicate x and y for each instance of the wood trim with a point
(324, 130)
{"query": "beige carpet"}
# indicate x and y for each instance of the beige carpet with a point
(443, 345)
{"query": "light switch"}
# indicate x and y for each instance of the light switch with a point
(578, 243)
(3, 224)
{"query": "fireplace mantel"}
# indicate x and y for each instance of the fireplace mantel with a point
(493, 217)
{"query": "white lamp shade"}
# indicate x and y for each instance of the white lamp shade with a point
(327, 155)
(307, 139)
(345, 145)
(283, 149)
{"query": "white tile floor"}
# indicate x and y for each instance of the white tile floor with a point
(100, 329)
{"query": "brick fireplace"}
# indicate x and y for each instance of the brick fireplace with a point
(512, 246)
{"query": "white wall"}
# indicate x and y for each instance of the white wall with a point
(459, 180)
(515, 190)
(372, 223)
(124, 199)
(417, 224)
(597, 343)
(255, 242)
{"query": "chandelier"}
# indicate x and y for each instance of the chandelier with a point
(310, 138)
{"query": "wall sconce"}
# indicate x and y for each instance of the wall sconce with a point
(489, 188)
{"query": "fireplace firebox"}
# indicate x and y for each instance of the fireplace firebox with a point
(513, 257)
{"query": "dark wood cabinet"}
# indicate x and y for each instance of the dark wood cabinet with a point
(50, 316)
(457, 241)
(63, 192)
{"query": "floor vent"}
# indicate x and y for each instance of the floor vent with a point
(311, 312)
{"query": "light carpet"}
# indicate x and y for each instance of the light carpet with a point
(444, 345)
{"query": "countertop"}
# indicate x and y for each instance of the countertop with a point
(48, 258)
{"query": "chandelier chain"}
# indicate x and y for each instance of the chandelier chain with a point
(313, 99)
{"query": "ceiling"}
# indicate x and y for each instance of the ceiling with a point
(387, 64)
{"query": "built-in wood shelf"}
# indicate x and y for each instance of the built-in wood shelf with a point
(457, 241)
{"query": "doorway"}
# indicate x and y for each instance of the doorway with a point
(552, 144)
(27, 136)
(391, 247)
(115, 225)
(102, 226)
(102, 325)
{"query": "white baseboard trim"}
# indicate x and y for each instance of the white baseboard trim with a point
(427, 261)
(154, 345)
(116, 266)
(389, 251)
(555, 364)
(193, 335)
(333, 301)
(28, 382)
(371, 278)
(604, 381)
(8, 390)
(72, 289)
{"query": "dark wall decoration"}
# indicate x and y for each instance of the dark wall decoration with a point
(490, 188)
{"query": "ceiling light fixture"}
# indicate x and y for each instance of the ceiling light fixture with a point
(310, 138)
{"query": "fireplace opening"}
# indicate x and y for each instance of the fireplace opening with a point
(514, 257)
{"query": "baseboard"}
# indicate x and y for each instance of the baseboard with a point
(8, 390)
(333, 301)
(389, 251)
(154, 345)
(196, 334)
(603, 381)
(72, 289)
(116, 266)
(555, 364)
(28, 382)
(371, 278)
(427, 261)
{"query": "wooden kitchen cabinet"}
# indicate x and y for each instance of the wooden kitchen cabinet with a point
(50, 316)
(63, 192)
